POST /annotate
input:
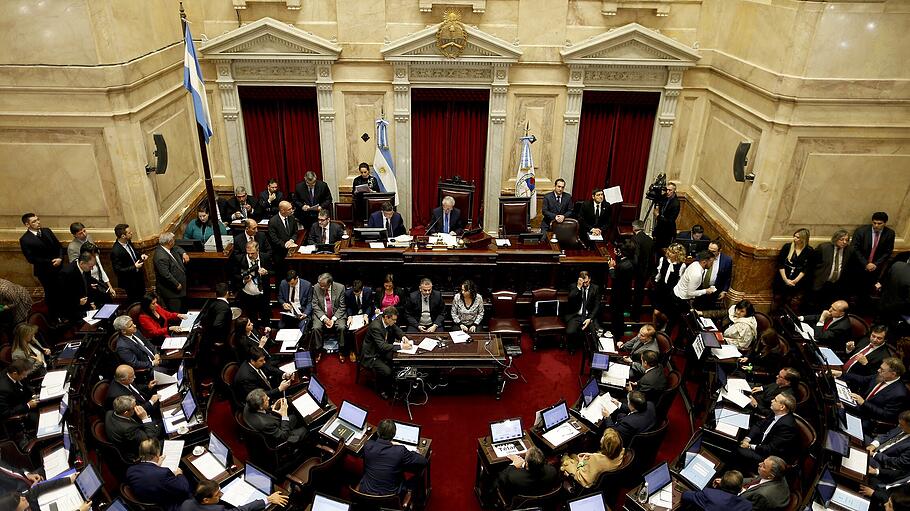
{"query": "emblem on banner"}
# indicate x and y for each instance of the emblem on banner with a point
(451, 38)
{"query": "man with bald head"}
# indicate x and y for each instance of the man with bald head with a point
(832, 326)
(125, 384)
(282, 235)
(251, 233)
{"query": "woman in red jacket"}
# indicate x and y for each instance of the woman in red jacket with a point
(154, 320)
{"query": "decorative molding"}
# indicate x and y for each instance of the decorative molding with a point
(631, 44)
(291, 5)
(444, 73)
(477, 6)
(270, 39)
(421, 46)
(661, 8)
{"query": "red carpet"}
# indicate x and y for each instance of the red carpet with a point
(455, 420)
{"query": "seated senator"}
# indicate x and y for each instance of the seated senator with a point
(723, 495)
(390, 296)
(156, 322)
(388, 219)
(27, 347)
(127, 425)
(636, 415)
(323, 230)
(739, 325)
(776, 435)
(531, 475)
(467, 308)
(254, 373)
(595, 214)
(644, 341)
(272, 422)
(384, 463)
(203, 227)
(879, 396)
(446, 218)
(425, 308)
(245, 339)
(207, 497)
(586, 467)
(156, 484)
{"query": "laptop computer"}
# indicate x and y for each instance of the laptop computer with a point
(507, 437)
(600, 361)
(837, 442)
(219, 450)
(325, 503)
(254, 485)
(593, 502)
(658, 478)
(710, 339)
(106, 311)
(555, 416)
(590, 392)
(317, 391)
(303, 360)
(351, 420)
(407, 434)
(74, 495)
(184, 415)
(117, 505)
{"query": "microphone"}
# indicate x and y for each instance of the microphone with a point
(435, 221)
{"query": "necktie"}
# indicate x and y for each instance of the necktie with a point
(558, 199)
(706, 280)
(835, 270)
(144, 347)
(359, 303)
(293, 294)
(827, 324)
(312, 196)
(596, 210)
(129, 248)
(388, 227)
(255, 274)
(266, 380)
(854, 358)
(445, 225)
(875, 235)
(584, 300)
(897, 438)
(875, 391)
(139, 397)
(329, 310)
(39, 234)
(327, 234)
(286, 226)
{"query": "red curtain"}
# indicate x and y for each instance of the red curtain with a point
(448, 138)
(614, 139)
(282, 135)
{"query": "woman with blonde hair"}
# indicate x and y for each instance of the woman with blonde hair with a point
(794, 265)
(27, 347)
(669, 269)
(586, 467)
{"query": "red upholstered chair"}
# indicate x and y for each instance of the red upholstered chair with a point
(544, 326)
(99, 395)
(316, 472)
(503, 322)
(542, 501)
(764, 322)
(463, 193)
(858, 327)
(374, 202)
(344, 212)
(133, 312)
(392, 501)
(514, 215)
(567, 233)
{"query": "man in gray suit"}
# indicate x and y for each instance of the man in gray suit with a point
(170, 272)
(769, 490)
(329, 313)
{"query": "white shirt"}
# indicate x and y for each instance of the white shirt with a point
(689, 282)
(715, 268)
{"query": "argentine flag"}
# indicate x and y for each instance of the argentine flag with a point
(383, 170)
(192, 80)
(524, 182)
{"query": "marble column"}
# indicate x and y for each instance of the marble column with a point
(401, 88)
(233, 126)
(495, 143)
(326, 108)
(575, 89)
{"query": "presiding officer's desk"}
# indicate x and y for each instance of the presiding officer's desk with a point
(483, 353)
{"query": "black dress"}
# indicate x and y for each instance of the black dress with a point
(801, 263)
(662, 293)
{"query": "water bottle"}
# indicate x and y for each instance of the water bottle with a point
(643, 493)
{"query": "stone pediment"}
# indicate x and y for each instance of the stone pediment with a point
(480, 48)
(267, 38)
(631, 44)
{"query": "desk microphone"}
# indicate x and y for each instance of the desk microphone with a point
(435, 221)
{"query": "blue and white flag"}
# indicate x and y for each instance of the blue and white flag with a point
(524, 182)
(383, 170)
(192, 80)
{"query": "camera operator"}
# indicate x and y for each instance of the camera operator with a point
(665, 213)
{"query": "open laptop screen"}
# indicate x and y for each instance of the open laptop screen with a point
(316, 390)
(555, 415)
(258, 479)
(590, 503)
(600, 361)
(353, 414)
(658, 478)
(218, 450)
(106, 311)
(406, 433)
(324, 503)
(189, 405)
(590, 392)
(503, 431)
(180, 371)
(303, 360)
(88, 482)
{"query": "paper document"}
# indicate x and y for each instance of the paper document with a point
(428, 344)
(503, 450)
(806, 331)
(726, 416)
(617, 375)
(290, 367)
(613, 195)
(187, 324)
(663, 498)
(306, 249)
(208, 465)
(238, 493)
(164, 378)
(857, 461)
(738, 384)
(500, 242)
(458, 336)
(698, 346)
(306, 405)
(707, 324)
(288, 346)
(357, 322)
(174, 343)
(288, 334)
(88, 317)
(849, 500)
(411, 351)
(561, 434)
(167, 392)
(738, 398)
(831, 358)
(49, 423)
(727, 429)
(171, 452)
(844, 393)
(56, 463)
(607, 344)
(53, 385)
(595, 237)
(593, 413)
(726, 351)
(377, 244)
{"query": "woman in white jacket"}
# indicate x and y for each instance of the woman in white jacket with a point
(739, 324)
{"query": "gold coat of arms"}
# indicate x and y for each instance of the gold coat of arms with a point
(451, 38)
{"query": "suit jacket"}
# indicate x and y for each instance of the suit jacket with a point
(653, 383)
(377, 343)
(665, 223)
(142, 395)
(247, 379)
(551, 208)
(339, 309)
(873, 359)
(644, 255)
(885, 404)
(279, 235)
(158, 485)
(713, 499)
(456, 223)
(196, 230)
(239, 250)
(588, 220)
(41, 251)
(192, 505)
(241, 266)
(218, 321)
(724, 273)
(124, 266)
(397, 222)
(592, 304)
(73, 287)
(516, 481)
(14, 397)
(9, 483)
(770, 496)
(366, 302)
(269, 208)
(824, 260)
(634, 423)
(862, 243)
(837, 333)
(316, 234)
(232, 205)
(170, 271)
(782, 440)
(126, 433)
(306, 295)
(275, 430)
(895, 457)
(437, 309)
(321, 196)
(766, 395)
(132, 354)
(383, 466)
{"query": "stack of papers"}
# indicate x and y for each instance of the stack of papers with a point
(49, 423)
(357, 322)
(617, 375)
(593, 412)
(56, 463)
(53, 385)
(503, 242)
(607, 344)
(288, 334)
(174, 343)
(208, 465)
(458, 336)
(726, 351)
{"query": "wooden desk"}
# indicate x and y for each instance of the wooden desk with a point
(355, 447)
(470, 355)
(489, 465)
(573, 444)
(327, 410)
(679, 486)
(188, 459)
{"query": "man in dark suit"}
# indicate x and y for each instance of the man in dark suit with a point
(295, 297)
(251, 233)
(832, 326)
(724, 496)
(239, 207)
(636, 415)
(156, 484)
(769, 490)
(170, 272)
(128, 263)
(330, 314)
(426, 310)
(644, 264)
(43, 250)
(583, 310)
(622, 274)
(16, 399)
(384, 463)
(718, 275)
(208, 495)
(359, 299)
(19, 493)
(273, 423)
(866, 355)
(133, 349)
(651, 380)
(255, 373)
(833, 262)
(873, 245)
(891, 451)
(377, 350)
(529, 476)
(313, 196)
(324, 230)
(217, 320)
(880, 396)
(269, 199)
(282, 235)
(665, 214)
(776, 435)
(695, 233)
(127, 425)
(446, 218)
(557, 205)
(594, 215)
(787, 381)
(388, 219)
(895, 287)
(74, 288)
(251, 280)
(124, 384)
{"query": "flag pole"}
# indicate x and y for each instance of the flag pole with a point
(207, 172)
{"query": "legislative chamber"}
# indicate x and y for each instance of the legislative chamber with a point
(422, 255)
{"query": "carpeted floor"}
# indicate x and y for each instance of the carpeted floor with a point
(455, 417)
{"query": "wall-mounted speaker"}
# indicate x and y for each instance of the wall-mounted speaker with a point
(740, 161)
(160, 166)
